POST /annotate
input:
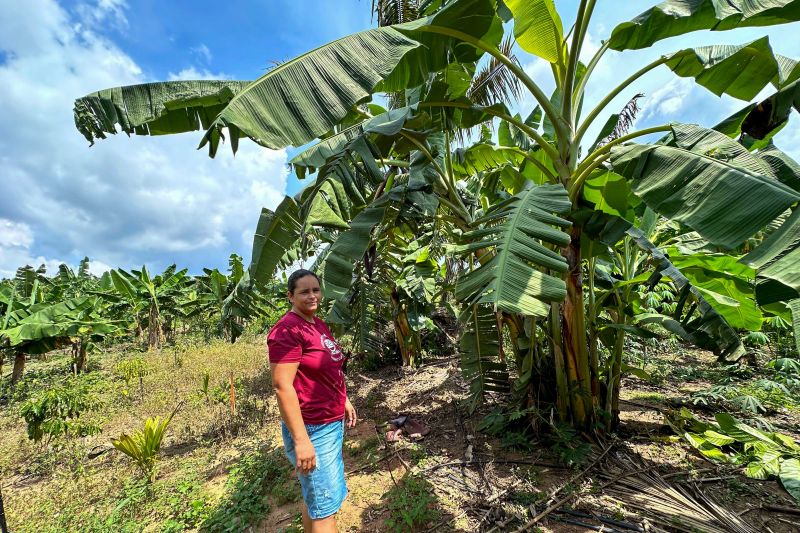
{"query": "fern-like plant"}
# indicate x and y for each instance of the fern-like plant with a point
(144, 445)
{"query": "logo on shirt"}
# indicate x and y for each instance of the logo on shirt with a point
(333, 348)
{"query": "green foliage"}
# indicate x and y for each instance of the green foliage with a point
(56, 412)
(411, 505)
(256, 476)
(144, 445)
(761, 454)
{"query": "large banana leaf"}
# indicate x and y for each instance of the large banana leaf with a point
(783, 167)
(722, 200)
(349, 247)
(514, 279)
(388, 124)
(727, 285)
(480, 349)
(676, 17)
(708, 329)
(740, 71)
(538, 29)
(49, 321)
(276, 232)
(778, 262)
(305, 97)
(154, 108)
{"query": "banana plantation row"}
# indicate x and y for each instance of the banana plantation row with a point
(550, 247)
(82, 312)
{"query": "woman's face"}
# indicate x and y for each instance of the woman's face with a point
(306, 296)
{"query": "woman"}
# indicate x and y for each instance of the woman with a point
(307, 374)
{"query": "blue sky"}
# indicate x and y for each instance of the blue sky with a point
(127, 202)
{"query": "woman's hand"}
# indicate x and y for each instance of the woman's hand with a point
(350, 413)
(306, 456)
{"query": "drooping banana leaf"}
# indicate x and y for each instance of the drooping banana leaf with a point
(154, 108)
(740, 71)
(387, 124)
(514, 279)
(480, 349)
(349, 247)
(708, 329)
(677, 17)
(305, 97)
(724, 202)
(794, 306)
(783, 167)
(480, 157)
(777, 260)
(276, 232)
(727, 285)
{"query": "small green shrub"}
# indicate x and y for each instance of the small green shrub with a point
(56, 412)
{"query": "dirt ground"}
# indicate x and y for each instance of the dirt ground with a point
(499, 483)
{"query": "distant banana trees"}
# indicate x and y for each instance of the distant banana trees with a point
(36, 321)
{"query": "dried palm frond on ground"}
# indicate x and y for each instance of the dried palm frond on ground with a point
(679, 507)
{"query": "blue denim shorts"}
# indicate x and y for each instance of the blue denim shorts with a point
(324, 488)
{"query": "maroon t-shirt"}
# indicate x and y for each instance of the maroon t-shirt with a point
(319, 381)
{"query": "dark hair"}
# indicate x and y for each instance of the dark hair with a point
(298, 274)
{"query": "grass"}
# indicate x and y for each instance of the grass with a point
(214, 465)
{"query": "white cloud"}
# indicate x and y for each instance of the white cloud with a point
(667, 100)
(202, 52)
(125, 201)
(193, 73)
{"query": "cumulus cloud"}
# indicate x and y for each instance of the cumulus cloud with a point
(123, 202)
(194, 73)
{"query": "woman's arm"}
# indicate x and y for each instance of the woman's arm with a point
(283, 381)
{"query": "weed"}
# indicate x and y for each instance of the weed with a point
(257, 475)
(411, 504)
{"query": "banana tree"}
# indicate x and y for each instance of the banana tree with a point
(152, 302)
(525, 248)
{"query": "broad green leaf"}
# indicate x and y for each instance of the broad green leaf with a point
(790, 477)
(717, 439)
(514, 230)
(638, 372)
(760, 470)
(154, 108)
(537, 28)
(480, 157)
(480, 349)
(777, 259)
(726, 204)
(388, 123)
(276, 232)
(705, 447)
(676, 17)
(740, 71)
(741, 431)
(709, 330)
(794, 305)
(610, 193)
(726, 284)
(783, 167)
(349, 247)
(305, 97)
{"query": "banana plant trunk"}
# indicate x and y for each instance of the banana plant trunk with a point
(19, 367)
(574, 349)
(79, 355)
(154, 329)
(408, 344)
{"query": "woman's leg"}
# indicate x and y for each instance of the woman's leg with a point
(323, 525)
